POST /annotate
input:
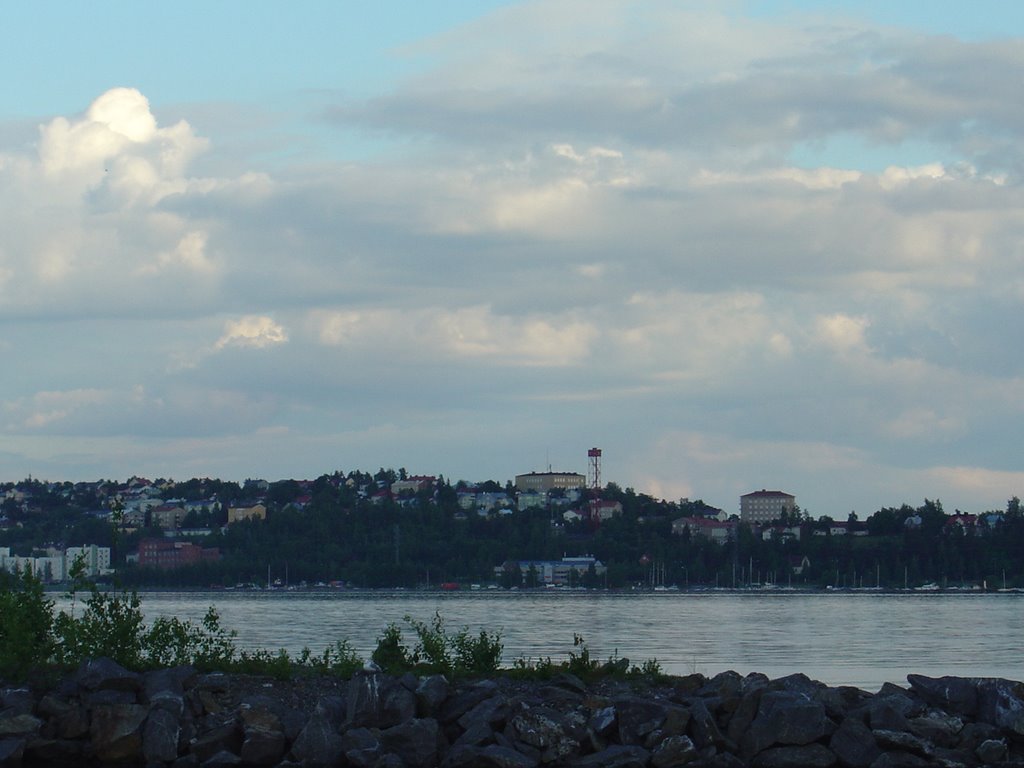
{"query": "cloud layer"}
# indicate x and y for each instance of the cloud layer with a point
(588, 224)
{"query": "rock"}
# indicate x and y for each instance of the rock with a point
(116, 732)
(415, 742)
(937, 727)
(785, 717)
(105, 674)
(703, 727)
(221, 760)
(160, 737)
(55, 753)
(906, 742)
(541, 729)
(16, 701)
(376, 700)
(464, 699)
(361, 747)
(807, 756)
(992, 751)
(615, 756)
(11, 751)
(1001, 703)
(957, 695)
(674, 751)
(491, 712)
(319, 743)
(853, 744)
(430, 695)
(637, 717)
(19, 725)
(223, 738)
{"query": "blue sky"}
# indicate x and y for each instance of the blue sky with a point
(736, 245)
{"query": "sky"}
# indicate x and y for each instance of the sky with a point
(736, 245)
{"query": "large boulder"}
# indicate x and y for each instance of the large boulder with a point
(957, 695)
(116, 732)
(785, 717)
(414, 741)
(376, 700)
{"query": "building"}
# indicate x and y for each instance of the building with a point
(556, 573)
(163, 554)
(601, 509)
(95, 559)
(543, 482)
(764, 506)
(413, 484)
(167, 516)
(714, 530)
(256, 512)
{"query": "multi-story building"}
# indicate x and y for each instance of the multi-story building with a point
(164, 554)
(255, 512)
(764, 506)
(542, 482)
(95, 559)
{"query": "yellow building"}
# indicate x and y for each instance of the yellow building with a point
(257, 512)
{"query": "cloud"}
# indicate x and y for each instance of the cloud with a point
(581, 223)
(254, 331)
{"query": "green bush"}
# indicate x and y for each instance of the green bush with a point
(391, 655)
(111, 625)
(26, 625)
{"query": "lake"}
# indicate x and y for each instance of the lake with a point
(861, 638)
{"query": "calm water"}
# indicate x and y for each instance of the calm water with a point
(860, 639)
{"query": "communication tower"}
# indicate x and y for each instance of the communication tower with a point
(594, 457)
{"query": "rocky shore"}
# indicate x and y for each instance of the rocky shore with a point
(105, 715)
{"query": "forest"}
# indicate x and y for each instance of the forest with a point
(340, 533)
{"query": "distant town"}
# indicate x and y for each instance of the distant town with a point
(542, 530)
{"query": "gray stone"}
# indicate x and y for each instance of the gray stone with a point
(806, 756)
(160, 737)
(853, 744)
(106, 674)
(491, 712)
(11, 752)
(415, 742)
(1001, 703)
(221, 759)
(541, 729)
(937, 727)
(992, 751)
(319, 743)
(19, 725)
(431, 694)
(906, 742)
(956, 695)
(786, 718)
(637, 717)
(116, 732)
(615, 756)
(461, 701)
(55, 753)
(703, 727)
(223, 738)
(263, 747)
(376, 700)
(361, 747)
(673, 752)
(491, 756)
(900, 760)
(17, 701)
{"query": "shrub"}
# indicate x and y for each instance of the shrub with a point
(111, 625)
(391, 655)
(26, 623)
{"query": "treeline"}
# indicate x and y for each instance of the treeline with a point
(340, 533)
